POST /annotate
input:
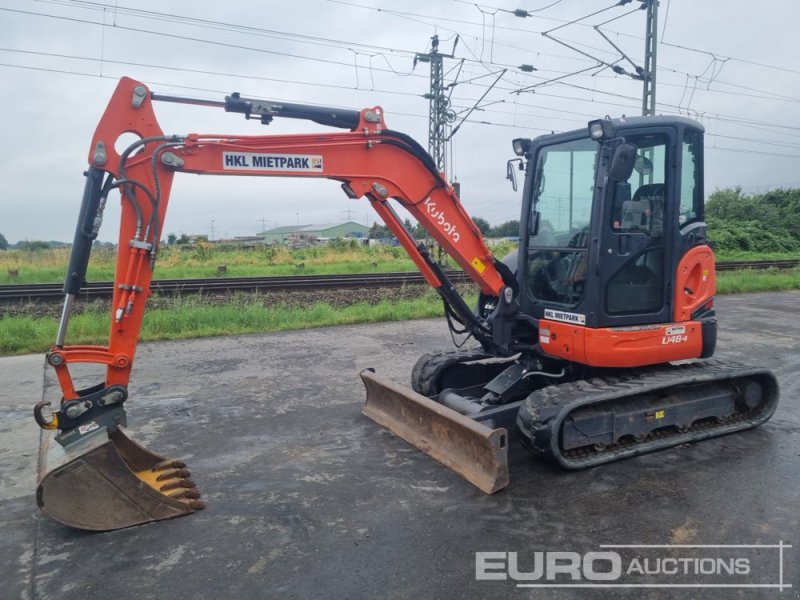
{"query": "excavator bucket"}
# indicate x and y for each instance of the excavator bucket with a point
(107, 481)
(476, 452)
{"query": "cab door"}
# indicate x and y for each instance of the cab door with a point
(635, 260)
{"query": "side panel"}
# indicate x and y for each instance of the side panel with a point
(622, 346)
(695, 281)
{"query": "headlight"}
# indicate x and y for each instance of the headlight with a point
(521, 146)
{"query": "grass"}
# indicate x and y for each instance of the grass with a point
(766, 280)
(202, 260)
(195, 316)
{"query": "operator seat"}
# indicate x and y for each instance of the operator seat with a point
(645, 211)
(638, 285)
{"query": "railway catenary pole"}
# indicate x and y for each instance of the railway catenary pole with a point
(650, 51)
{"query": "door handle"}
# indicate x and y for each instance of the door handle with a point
(624, 245)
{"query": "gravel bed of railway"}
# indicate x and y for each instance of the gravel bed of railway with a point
(295, 298)
(44, 292)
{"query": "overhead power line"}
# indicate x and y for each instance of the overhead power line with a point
(716, 117)
(341, 44)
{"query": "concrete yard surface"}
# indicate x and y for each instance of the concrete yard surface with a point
(307, 498)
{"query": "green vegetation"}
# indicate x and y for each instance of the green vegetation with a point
(195, 316)
(757, 227)
(766, 280)
(181, 261)
(764, 223)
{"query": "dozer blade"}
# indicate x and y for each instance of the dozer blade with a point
(476, 452)
(107, 481)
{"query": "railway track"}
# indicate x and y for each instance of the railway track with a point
(758, 264)
(52, 291)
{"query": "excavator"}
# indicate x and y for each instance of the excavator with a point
(586, 338)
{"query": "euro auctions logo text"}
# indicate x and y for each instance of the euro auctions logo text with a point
(731, 566)
(548, 566)
(597, 566)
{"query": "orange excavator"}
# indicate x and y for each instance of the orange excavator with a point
(577, 331)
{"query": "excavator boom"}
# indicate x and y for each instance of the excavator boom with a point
(86, 449)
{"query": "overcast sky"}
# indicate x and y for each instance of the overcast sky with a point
(733, 65)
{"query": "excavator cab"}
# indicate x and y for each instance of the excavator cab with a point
(615, 281)
(608, 245)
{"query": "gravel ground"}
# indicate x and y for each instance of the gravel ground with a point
(308, 499)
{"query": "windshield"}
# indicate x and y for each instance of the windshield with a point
(564, 195)
(558, 254)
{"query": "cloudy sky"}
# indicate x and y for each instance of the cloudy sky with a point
(733, 65)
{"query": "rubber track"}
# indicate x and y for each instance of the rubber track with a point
(545, 409)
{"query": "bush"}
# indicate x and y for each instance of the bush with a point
(762, 223)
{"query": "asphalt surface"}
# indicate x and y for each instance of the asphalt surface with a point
(309, 499)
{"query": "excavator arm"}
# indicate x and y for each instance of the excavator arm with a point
(369, 160)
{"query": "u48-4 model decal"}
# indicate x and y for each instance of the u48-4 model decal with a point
(674, 335)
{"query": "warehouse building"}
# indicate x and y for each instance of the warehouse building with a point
(293, 234)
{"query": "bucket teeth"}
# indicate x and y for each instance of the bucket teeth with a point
(174, 477)
(174, 474)
(180, 483)
(168, 464)
(186, 493)
(175, 483)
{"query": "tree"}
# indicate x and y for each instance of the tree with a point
(172, 238)
(3, 242)
(378, 232)
(768, 222)
(183, 240)
(32, 246)
(507, 229)
(483, 225)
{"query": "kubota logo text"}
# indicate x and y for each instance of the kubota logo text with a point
(440, 218)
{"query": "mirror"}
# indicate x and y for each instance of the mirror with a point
(622, 162)
(510, 174)
(643, 165)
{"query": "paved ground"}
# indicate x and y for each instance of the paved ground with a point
(309, 499)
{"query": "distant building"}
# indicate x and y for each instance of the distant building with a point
(292, 234)
(242, 240)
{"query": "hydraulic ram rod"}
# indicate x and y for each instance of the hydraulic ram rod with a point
(342, 118)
